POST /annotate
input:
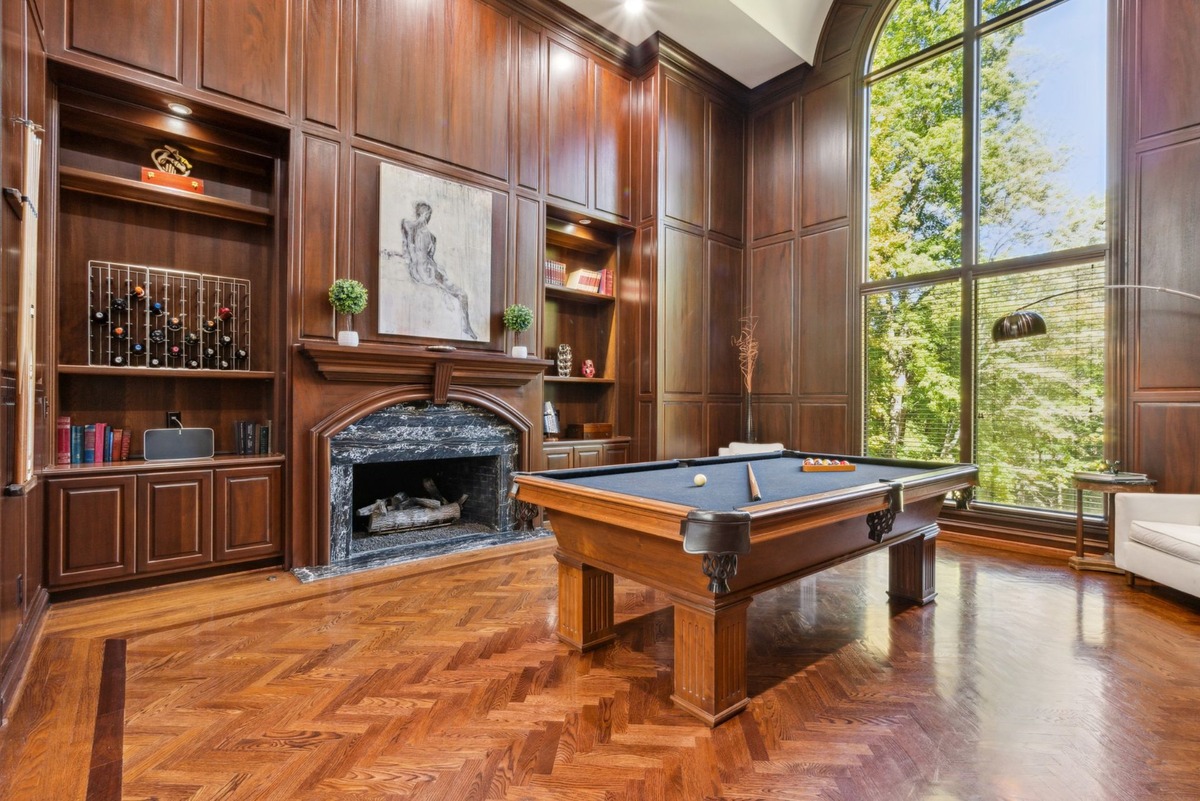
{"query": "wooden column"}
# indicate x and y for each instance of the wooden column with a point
(710, 660)
(585, 604)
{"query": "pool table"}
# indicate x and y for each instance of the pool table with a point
(711, 545)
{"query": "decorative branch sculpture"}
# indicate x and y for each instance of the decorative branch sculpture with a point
(747, 345)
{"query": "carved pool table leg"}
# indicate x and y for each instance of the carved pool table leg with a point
(710, 660)
(911, 568)
(585, 604)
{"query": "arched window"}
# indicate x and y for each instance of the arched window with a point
(986, 189)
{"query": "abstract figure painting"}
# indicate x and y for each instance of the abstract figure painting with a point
(435, 256)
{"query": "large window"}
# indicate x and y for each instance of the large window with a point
(986, 191)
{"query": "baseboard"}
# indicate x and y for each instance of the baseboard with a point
(16, 662)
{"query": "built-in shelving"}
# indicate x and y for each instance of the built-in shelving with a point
(80, 180)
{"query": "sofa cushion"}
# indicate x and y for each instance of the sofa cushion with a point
(1176, 539)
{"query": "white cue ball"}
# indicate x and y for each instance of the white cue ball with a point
(700, 480)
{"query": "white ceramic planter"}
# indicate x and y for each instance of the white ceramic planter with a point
(520, 352)
(348, 338)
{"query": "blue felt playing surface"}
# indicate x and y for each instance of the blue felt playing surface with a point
(779, 478)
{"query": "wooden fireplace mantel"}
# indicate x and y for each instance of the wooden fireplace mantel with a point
(399, 365)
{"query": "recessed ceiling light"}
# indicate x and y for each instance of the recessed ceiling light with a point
(179, 108)
(634, 6)
(584, 221)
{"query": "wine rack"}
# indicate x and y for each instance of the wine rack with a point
(178, 318)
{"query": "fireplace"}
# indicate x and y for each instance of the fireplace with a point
(429, 452)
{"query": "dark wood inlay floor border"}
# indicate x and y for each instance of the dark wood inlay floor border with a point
(104, 773)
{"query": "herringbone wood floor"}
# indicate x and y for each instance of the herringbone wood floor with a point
(1025, 680)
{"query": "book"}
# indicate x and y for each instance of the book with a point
(77, 444)
(126, 436)
(89, 443)
(584, 280)
(118, 435)
(100, 439)
(63, 442)
(555, 273)
(108, 443)
(264, 438)
(1112, 478)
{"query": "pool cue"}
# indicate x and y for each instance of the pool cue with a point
(755, 495)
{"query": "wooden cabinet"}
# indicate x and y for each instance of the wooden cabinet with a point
(105, 527)
(246, 513)
(211, 257)
(91, 527)
(561, 455)
(174, 520)
(589, 133)
(237, 49)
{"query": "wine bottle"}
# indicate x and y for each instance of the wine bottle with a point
(137, 349)
(224, 364)
(225, 340)
(137, 293)
(209, 326)
(210, 352)
(119, 332)
(156, 308)
(241, 353)
(118, 304)
(175, 351)
(174, 323)
(154, 361)
(193, 364)
(100, 317)
(224, 313)
(158, 335)
(191, 338)
(117, 360)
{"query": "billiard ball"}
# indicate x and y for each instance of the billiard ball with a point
(699, 480)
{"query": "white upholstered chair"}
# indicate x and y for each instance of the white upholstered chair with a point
(1158, 537)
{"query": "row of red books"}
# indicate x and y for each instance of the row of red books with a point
(91, 442)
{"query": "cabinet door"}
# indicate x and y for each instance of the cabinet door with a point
(246, 513)
(91, 528)
(567, 139)
(103, 28)
(614, 135)
(245, 50)
(616, 453)
(557, 457)
(589, 455)
(174, 520)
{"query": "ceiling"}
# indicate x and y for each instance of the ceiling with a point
(750, 40)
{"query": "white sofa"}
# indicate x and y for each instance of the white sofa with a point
(1158, 537)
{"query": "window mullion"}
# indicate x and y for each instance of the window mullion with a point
(970, 223)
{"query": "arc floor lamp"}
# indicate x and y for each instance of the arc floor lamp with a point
(1027, 323)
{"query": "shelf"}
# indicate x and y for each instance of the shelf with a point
(576, 236)
(137, 192)
(575, 379)
(577, 295)
(162, 372)
(142, 466)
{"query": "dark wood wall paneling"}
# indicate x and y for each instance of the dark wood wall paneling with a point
(799, 224)
(246, 46)
(701, 264)
(22, 544)
(1161, 183)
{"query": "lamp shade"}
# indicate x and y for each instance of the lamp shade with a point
(1017, 325)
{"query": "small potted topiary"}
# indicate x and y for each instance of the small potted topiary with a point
(517, 318)
(348, 297)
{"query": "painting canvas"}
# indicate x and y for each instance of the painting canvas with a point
(435, 256)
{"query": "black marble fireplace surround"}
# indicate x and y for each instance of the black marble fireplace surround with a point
(465, 449)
